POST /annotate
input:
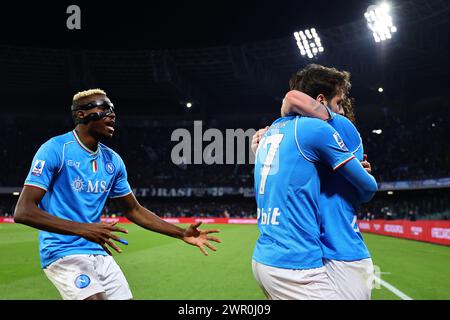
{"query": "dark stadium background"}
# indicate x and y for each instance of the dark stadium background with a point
(232, 60)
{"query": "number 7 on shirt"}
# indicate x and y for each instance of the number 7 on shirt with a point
(274, 142)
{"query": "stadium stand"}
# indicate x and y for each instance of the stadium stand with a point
(145, 145)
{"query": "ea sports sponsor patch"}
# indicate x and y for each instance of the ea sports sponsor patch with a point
(38, 167)
(339, 141)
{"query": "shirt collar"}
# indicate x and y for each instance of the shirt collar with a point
(92, 153)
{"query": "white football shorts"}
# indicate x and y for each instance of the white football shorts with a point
(80, 276)
(353, 280)
(290, 284)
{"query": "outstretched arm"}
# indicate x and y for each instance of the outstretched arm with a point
(150, 221)
(27, 212)
(298, 102)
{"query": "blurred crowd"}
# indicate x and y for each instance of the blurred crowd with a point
(401, 146)
(231, 208)
(408, 147)
(408, 206)
(411, 146)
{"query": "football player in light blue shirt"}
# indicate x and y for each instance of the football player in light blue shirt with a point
(288, 257)
(336, 237)
(71, 177)
(346, 256)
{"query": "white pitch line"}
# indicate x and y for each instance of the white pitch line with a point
(393, 289)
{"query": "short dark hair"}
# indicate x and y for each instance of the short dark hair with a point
(316, 79)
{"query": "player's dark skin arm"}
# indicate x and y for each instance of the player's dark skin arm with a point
(28, 213)
(150, 221)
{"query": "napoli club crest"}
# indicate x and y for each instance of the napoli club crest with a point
(82, 281)
(110, 167)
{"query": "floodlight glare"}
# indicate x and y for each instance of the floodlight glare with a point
(380, 22)
(376, 37)
(309, 43)
(308, 34)
(189, 104)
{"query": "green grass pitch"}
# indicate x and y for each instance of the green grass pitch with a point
(158, 267)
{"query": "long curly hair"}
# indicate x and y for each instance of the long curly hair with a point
(349, 110)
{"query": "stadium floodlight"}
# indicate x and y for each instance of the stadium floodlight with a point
(380, 89)
(16, 193)
(377, 131)
(309, 43)
(189, 104)
(380, 22)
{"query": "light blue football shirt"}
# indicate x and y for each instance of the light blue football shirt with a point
(340, 236)
(287, 189)
(77, 182)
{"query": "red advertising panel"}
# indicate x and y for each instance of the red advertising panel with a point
(194, 220)
(435, 231)
(172, 220)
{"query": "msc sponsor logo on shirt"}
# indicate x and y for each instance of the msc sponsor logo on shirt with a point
(97, 186)
(38, 167)
(78, 184)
